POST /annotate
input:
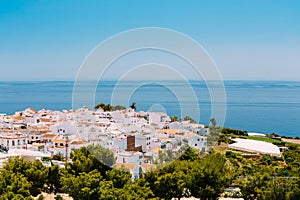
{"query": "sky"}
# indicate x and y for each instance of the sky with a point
(248, 40)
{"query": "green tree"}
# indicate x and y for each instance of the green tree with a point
(106, 191)
(40, 197)
(90, 158)
(188, 118)
(119, 177)
(35, 172)
(209, 176)
(107, 107)
(118, 107)
(134, 191)
(213, 122)
(13, 185)
(251, 187)
(165, 157)
(59, 157)
(174, 118)
(133, 106)
(170, 185)
(54, 179)
(84, 186)
(188, 153)
(100, 105)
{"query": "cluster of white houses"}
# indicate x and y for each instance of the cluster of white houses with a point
(135, 138)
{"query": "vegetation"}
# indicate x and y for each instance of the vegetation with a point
(174, 118)
(89, 175)
(133, 106)
(228, 131)
(108, 107)
(188, 118)
(58, 157)
(213, 122)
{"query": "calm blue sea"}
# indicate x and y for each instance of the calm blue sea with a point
(256, 106)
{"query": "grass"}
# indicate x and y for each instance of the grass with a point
(264, 139)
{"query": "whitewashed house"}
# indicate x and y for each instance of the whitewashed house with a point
(197, 142)
(13, 141)
(64, 128)
(144, 141)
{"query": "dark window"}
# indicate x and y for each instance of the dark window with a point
(195, 145)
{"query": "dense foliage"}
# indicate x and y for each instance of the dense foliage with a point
(191, 174)
(108, 107)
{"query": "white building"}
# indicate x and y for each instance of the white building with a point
(196, 141)
(130, 157)
(2, 117)
(13, 141)
(144, 141)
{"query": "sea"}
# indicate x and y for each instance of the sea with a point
(255, 106)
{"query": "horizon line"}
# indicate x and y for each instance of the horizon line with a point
(136, 80)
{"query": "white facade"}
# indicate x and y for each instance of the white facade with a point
(198, 142)
(120, 142)
(130, 157)
(64, 128)
(144, 141)
(2, 117)
(13, 141)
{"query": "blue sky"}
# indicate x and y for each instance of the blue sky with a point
(48, 40)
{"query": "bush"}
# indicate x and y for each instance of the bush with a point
(228, 131)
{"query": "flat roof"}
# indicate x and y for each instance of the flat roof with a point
(25, 152)
(255, 146)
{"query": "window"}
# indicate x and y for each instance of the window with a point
(24, 141)
(13, 143)
(32, 137)
(198, 139)
(195, 145)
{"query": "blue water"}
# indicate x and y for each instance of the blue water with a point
(257, 106)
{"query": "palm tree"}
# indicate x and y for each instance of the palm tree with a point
(213, 122)
(133, 106)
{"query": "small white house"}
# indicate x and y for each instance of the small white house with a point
(13, 141)
(144, 141)
(197, 142)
